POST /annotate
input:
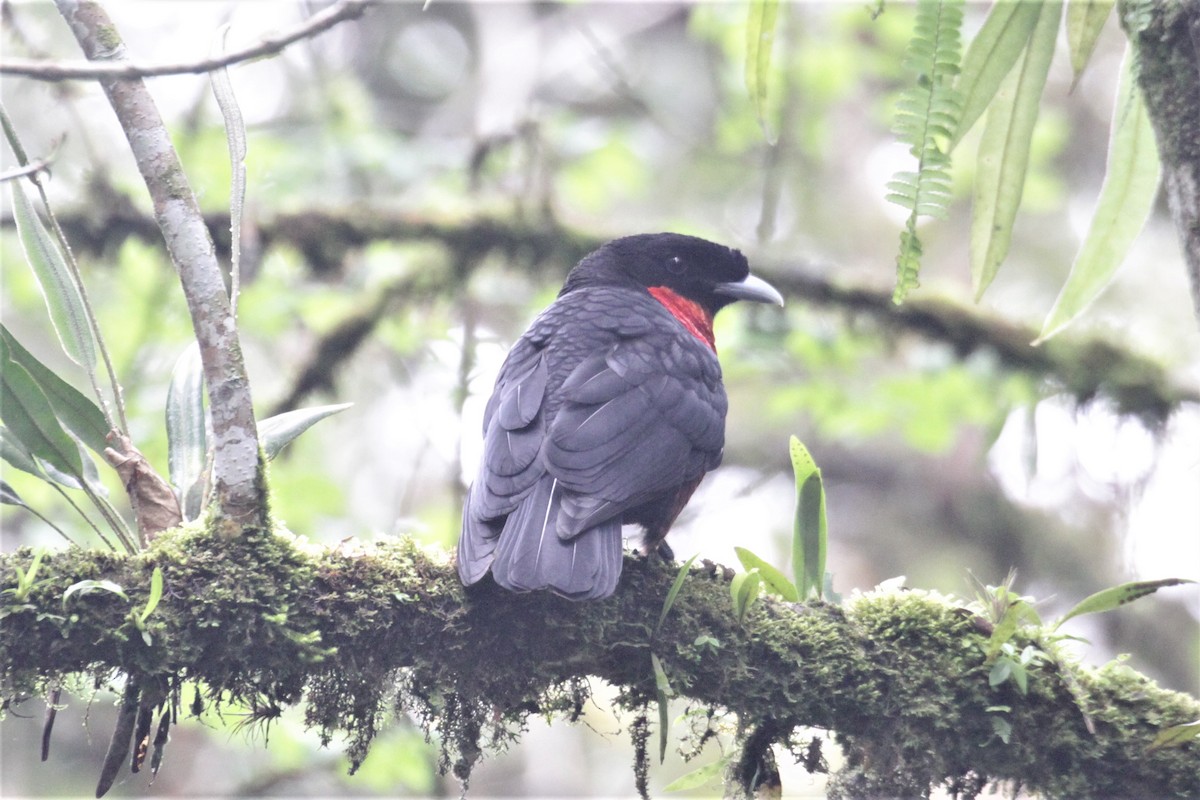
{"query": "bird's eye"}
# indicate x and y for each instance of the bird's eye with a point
(676, 265)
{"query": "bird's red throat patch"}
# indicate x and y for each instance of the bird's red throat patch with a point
(690, 314)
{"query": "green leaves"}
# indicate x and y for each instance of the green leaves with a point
(1125, 202)
(773, 579)
(926, 116)
(63, 299)
(744, 590)
(760, 40)
(1001, 78)
(810, 529)
(1004, 149)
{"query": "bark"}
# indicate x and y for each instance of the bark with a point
(901, 679)
(1167, 37)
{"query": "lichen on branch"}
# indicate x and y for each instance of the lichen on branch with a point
(355, 633)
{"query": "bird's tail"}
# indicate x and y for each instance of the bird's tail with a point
(530, 555)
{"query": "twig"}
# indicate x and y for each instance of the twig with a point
(32, 168)
(124, 70)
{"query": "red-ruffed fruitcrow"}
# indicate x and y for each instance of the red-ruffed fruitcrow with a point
(608, 411)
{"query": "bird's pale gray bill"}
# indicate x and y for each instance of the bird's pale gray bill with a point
(751, 288)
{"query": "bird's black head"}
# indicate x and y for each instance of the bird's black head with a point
(706, 273)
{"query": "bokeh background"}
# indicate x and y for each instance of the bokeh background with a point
(389, 155)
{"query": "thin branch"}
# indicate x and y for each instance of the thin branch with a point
(236, 462)
(124, 70)
(32, 168)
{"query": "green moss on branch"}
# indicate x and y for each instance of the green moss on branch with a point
(899, 678)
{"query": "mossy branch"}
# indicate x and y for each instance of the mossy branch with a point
(899, 678)
(1087, 369)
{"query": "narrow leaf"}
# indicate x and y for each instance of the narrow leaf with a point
(156, 592)
(1004, 150)
(744, 591)
(9, 496)
(277, 432)
(122, 738)
(673, 592)
(1125, 202)
(78, 413)
(1177, 735)
(1110, 598)
(662, 691)
(27, 414)
(810, 529)
(990, 57)
(62, 296)
(87, 587)
(775, 580)
(18, 455)
(760, 40)
(698, 777)
(235, 135)
(187, 443)
(1085, 21)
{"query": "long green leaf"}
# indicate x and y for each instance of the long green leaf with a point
(278, 431)
(1111, 598)
(9, 496)
(744, 590)
(775, 580)
(18, 455)
(1085, 21)
(235, 136)
(74, 409)
(810, 530)
(1125, 202)
(1004, 150)
(62, 297)
(187, 442)
(27, 414)
(662, 692)
(1176, 735)
(760, 40)
(990, 57)
(156, 592)
(86, 587)
(698, 777)
(673, 592)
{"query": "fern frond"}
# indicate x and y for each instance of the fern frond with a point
(927, 114)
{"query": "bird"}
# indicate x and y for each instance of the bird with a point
(607, 411)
